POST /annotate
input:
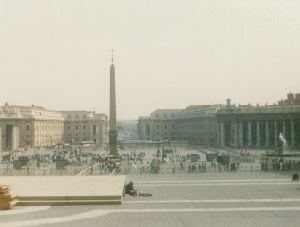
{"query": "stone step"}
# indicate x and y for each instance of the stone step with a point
(67, 190)
(79, 197)
(68, 202)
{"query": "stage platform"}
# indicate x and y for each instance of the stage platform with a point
(66, 190)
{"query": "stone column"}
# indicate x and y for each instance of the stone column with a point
(236, 133)
(275, 132)
(257, 134)
(232, 128)
(284, 129)
(292, 133)
(241, 133)
(222, 134)
(15, 138)
(249, 134)
(267, 134)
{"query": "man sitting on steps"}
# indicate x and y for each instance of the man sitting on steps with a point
(129, 189)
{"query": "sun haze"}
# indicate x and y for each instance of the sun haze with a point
(168, 54)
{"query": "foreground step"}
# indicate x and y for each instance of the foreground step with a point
(67, 202)
(67, 190)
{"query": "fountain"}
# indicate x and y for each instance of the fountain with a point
(281, 144)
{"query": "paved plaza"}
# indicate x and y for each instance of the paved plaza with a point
(210, 199)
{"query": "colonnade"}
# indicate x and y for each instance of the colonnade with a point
(11, 139)
(258, 133)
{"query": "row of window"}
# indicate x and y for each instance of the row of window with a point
(70, 135)
(77, 127)
(158, 134)
(165, 126)
(200, 125)
(77, 116)
(46, 127)
(84, 128)
(165, 115)
(49, 135)
(76, 122)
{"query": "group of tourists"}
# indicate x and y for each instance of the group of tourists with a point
(139, 161)
(56, 159)
(279, 164)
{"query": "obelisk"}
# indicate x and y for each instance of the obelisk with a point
(113, 133)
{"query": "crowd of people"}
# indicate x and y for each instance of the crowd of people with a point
(279, 164)
(154, 161)
(58, 159)
(174, 161)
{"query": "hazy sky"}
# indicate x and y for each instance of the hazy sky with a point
(169, 54)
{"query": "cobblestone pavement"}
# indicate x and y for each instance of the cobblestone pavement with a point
(207, 199)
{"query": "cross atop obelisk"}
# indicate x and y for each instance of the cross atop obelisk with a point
(113, 133)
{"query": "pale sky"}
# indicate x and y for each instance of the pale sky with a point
(168, 54)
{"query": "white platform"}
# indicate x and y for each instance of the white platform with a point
(62, 190)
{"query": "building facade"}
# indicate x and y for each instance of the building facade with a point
(228, 125)
(29, 126)
(85, 126)
(198, 125)
(195, 124)
(159, 125)
(259, 126)
(36, 126)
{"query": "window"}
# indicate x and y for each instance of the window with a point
(27, 127)
(157, 126)
(166, 127)
(76, 127)
(69, 128)
(84, 127)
